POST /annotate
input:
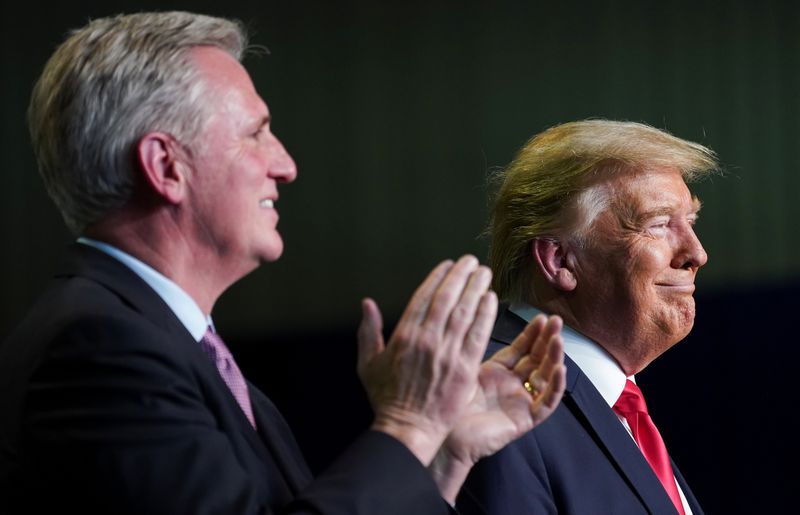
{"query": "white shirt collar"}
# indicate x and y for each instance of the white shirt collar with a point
(184, 307)
(598, 365)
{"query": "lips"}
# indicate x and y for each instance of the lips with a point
(677, 287)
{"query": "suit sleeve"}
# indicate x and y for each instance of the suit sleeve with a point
(377, 474)
(116, 421)
(510, 482)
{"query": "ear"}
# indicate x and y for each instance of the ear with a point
(555, 263)
(164, 166)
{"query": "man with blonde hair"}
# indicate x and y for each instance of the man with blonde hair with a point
(593, 221)
(116, 393)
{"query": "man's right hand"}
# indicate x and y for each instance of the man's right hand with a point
(420, 382)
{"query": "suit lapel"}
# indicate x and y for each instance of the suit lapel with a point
(687, 492)
(85, 261)
(583, 399)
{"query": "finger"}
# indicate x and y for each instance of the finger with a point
(477, 338)
(550, 378)
(417, 307)
(542, 343)
(370, 334)
(462, 317)
(553, 355)
(554, 390)
(449, 293)
(553, 358)
(532, 332)
(536, 337)
(524, 368)
(511, 355)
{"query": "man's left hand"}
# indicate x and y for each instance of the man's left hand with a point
(520, 386)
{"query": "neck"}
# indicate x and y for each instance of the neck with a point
(156, 239)
(606, 334)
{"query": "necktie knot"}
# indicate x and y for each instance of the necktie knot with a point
(214, 347)
(631, 400)
(222, 358)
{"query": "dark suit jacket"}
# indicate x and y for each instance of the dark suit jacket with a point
(579, 461)
(108, 405)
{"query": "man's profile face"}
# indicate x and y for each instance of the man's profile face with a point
(635, 278)
(237, 165)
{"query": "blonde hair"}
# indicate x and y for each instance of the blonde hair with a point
(106, 86)
(550, 188)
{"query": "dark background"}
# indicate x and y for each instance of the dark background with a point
(396, 113)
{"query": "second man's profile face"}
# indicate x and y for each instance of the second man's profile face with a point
(636, 275)
(238, 164)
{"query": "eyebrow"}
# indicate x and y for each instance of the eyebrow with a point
(256, 124)
(667, 210)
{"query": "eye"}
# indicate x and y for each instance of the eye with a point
(657, 226)
(260, 130)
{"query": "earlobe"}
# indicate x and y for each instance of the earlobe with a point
(555, 263)
(160, 161)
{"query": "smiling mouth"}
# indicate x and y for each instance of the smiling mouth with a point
(689, 287)
(266, 203)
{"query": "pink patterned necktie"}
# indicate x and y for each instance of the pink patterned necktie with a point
(215, 348)
(631, 405)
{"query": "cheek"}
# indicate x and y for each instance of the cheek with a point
(254, 156)
(648, 260)
(640, 267)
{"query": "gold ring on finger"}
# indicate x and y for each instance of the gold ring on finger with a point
(531, 389)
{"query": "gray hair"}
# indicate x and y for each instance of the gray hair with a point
(551, 188)
(106, 86)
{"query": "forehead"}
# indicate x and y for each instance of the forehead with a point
(229, 83)
(219, 67)
(655, 189)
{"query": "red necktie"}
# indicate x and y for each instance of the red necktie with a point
(631, 406)
(215, 348)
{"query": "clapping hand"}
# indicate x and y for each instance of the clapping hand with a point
(420, 381)
(520, 386)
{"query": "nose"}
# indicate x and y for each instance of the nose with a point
(281, 165)
(690, 255)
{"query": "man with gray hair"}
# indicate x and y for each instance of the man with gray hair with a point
(118, 396)
(593, 221)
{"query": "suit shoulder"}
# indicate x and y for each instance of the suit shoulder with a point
(76, 305)
(77, 320)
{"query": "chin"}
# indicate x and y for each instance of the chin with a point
(684, 331)
(674, 325)
(679, 317)
(272, 251)
(679, 331)
(686, 316)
